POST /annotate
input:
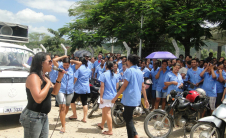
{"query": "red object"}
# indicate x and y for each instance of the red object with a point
(192, 96)
(90, 85)
(99, 61)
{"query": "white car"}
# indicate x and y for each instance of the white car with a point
(14, 63)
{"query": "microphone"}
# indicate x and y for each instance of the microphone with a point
(58, 69)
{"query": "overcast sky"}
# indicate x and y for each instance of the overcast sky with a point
(37, 14)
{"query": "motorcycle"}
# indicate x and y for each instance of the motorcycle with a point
(94, 96)
(96, 100)
(118, 109)
(211, 126)
(185, 115)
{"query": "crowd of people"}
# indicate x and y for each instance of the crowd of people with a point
(177, 74)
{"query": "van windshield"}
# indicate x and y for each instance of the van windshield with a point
(14, 57)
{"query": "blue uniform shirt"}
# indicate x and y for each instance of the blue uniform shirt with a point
(82, 84)
(154, 81)
(132, 93)
(172, 77)
(67, 82)
(150, 66)
(210, 85)
(53, 75)
(120, 66)
(160, 83)
(146, 72)
(118, 76)
(122, 76)
(96, 63)
(99, 71)
(109, 85)
(220, 85)
(194, 77)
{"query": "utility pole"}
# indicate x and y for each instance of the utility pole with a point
(140, 46)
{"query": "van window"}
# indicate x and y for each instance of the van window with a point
(15, 57)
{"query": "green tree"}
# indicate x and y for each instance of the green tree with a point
(163, 19)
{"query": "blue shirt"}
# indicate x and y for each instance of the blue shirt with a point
(96, 64)
(82, 83)
(220, 85)
(99, 71)
(109, 85)
(132, 93)
(160, 83)
(150, 66)
(119, 61)
(154, 81)
(67, 82)
(210, 85)
(118, 76)
(194, 77)
(172, 77)
(120, 66)
(168, 68)
(53, 75)
(90, 65)
(146, 72)
(122, 76)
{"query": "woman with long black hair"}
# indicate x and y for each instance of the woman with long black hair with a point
(131, 89)
(108, 90)
(34, 117)
(81, 88)
(66, 92)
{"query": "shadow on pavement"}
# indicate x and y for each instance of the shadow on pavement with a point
(88, 130)
(9, 121)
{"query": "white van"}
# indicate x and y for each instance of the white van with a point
(13, 74)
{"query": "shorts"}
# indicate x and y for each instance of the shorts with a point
(83, 97)
(64, 98)
(153, 94)
(219, 97)
(106, 103)
(161, 94)
(212, 102)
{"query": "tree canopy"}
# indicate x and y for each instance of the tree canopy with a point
(98, 21)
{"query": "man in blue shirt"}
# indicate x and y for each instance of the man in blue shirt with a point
(209, 85)
(149, 65)
(193, 76)
(121, 63)
(97, 62)
(99, 69)
(153, 72)
(118, 60)
(122, 71)
(161, 89)
(90, 64)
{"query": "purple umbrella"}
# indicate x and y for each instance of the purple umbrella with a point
(161, 55)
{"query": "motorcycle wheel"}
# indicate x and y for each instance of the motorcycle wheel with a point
(117, 115)
(203, 129)
(95, 108)
(156, 127)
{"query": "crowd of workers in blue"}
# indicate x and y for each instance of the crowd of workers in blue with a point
(175, 74)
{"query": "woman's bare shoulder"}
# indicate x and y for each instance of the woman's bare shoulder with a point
(32, 79)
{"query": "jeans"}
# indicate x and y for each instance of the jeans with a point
(128, 116)
(36, 125)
